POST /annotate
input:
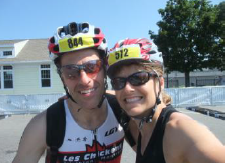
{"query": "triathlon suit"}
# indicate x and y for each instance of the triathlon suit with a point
(102, 145)
(154, 150)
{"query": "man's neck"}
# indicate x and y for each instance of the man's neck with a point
(89, 119)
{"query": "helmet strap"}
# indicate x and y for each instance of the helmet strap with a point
(68, 94)
(148, 119)
(65, 88)
(103, 96)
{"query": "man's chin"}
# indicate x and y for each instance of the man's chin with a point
(87, 101)
(90, 104)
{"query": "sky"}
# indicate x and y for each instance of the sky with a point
(118, 19)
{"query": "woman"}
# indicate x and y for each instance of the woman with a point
(165, 135)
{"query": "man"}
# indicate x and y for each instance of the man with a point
(92, 132)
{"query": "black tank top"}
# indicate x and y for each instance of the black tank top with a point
(154, 150)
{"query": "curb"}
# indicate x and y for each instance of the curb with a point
(209, 112)
(4, 116)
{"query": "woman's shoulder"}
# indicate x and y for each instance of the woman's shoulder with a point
(178, 135)
(180, 122)
(185, 137)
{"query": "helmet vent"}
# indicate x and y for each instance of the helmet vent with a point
(72, 28)
(152, 52)
(104, 40)
(121, 44)
(85, 27)
(56, 48)
(96, 40)
(61, 32)
(52, 40)
(97, 31)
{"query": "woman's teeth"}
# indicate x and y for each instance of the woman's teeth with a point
(133, 99)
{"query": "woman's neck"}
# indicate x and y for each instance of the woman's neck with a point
(148, 127)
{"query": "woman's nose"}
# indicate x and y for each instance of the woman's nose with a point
(128, 87)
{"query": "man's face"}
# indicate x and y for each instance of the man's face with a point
(83, 76)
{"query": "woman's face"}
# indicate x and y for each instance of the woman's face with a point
(137, 100)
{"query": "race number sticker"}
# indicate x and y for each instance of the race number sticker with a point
(127, 52)
(73, 43)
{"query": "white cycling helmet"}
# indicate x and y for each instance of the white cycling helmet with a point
(76, 36)
(133, 49)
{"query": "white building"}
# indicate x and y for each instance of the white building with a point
(25, 68)
(206, 77)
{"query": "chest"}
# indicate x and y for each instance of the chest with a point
(103, 144)
(78, 139)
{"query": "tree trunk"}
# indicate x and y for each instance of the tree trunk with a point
(187, 79)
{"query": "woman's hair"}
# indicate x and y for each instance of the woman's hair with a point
(149, 67)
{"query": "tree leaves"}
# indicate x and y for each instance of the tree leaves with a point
(190, 36)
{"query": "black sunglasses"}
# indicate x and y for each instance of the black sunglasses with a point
(73, 71)
(136, 79)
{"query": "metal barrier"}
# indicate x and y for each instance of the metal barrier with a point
(182, 97)
(196, 96)
(26, 104)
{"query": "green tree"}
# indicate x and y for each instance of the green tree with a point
(217, 57)
(187, 35)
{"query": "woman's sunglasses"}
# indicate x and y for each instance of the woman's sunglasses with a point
(136, 79)
(73, 71)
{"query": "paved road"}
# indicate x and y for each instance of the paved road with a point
(12, 128)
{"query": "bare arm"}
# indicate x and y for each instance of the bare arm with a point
(112, 92)
(33, 141)
(192, 142)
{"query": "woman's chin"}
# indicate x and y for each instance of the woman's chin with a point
(134, 112)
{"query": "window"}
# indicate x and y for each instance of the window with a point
(172, 83)
(45, 76)
(205, 82)
(7, 53)
(6, 77)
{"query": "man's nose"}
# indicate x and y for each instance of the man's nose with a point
(84, 78)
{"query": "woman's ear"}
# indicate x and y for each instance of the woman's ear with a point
(162, 83)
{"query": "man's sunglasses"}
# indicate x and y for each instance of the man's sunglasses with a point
(136, 79)
(73, 71)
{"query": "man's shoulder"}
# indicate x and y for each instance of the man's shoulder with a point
(39, 119)
(56, 104)
(33, 140)
(36, 128)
